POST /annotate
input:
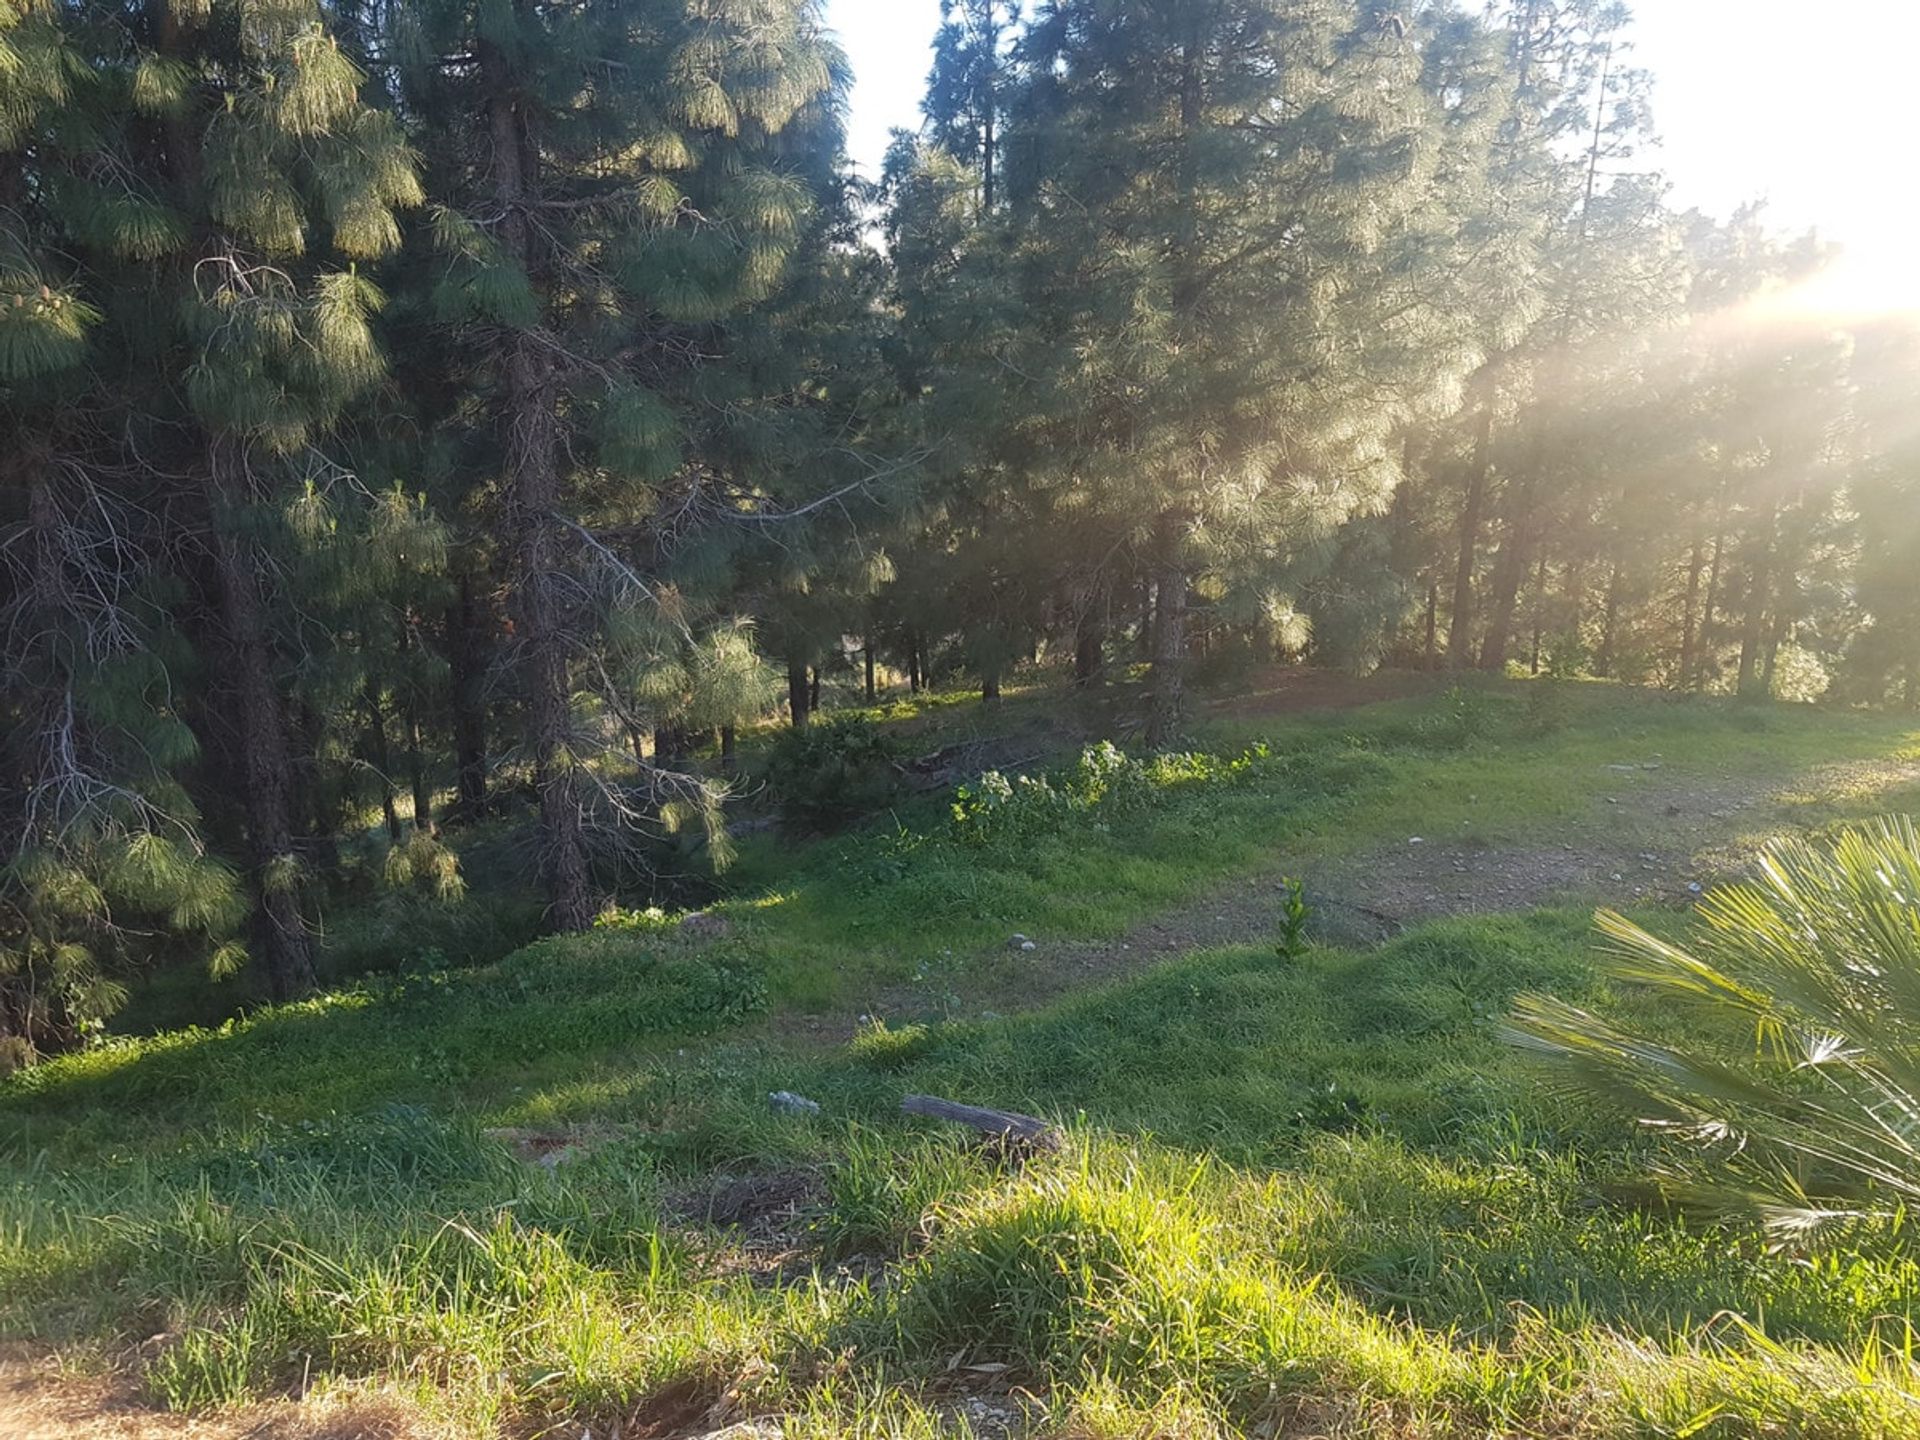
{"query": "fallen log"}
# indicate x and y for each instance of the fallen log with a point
(1006, 1125)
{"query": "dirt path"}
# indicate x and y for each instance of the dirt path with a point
(1674, 834)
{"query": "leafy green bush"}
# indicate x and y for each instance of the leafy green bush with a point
(832, 774)
(1819, 961)
(1105, 782)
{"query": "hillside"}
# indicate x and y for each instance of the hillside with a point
(1304, 1190)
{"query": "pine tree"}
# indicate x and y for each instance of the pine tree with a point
(102, 858)
(966, 93)
(628, 188)
(1244, 210)
(194, 159)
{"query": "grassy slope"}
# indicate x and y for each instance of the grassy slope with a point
(1308, 1192)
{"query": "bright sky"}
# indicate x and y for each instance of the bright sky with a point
(1810, 106)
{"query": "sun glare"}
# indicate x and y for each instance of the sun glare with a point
(1863, 283)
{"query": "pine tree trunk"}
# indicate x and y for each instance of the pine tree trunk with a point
(729, 754)
(466, 633)
(1539, 613)
(535, 480)
(417, 773)
(1759, 602)
(283, 947)
(813, 690)
(1696, 568)
(1168, 679)
(1090, 640)
(1712, 606)
(799, 695)
(533, 501)
(1752, 635)
(1508, 572)
(1430, 652)
(382, 756)
(990, 686)
(1460, 623)
(873, 692)
(1609, 625)
(1776, 637)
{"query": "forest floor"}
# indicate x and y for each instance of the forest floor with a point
(1306, 1196)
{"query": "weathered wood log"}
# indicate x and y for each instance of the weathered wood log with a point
(1009, 1125)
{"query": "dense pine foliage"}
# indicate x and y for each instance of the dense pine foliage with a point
(474, 414)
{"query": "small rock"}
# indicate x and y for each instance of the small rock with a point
(1417, 840)
(1017, 941)
(1027, 945)
(1695, 887)
(788, 1103)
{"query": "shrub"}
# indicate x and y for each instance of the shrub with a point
(831, 774)
(394, 931)
(1105, 782)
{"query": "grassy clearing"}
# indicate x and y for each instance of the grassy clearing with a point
(1302, 1196)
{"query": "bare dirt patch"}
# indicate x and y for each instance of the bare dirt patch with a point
(41, 1400)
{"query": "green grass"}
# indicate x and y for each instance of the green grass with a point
(1308, 1194)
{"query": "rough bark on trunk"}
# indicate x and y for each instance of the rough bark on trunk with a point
(535, 480)
(873, 691)
(282, 945)
(533, 501)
